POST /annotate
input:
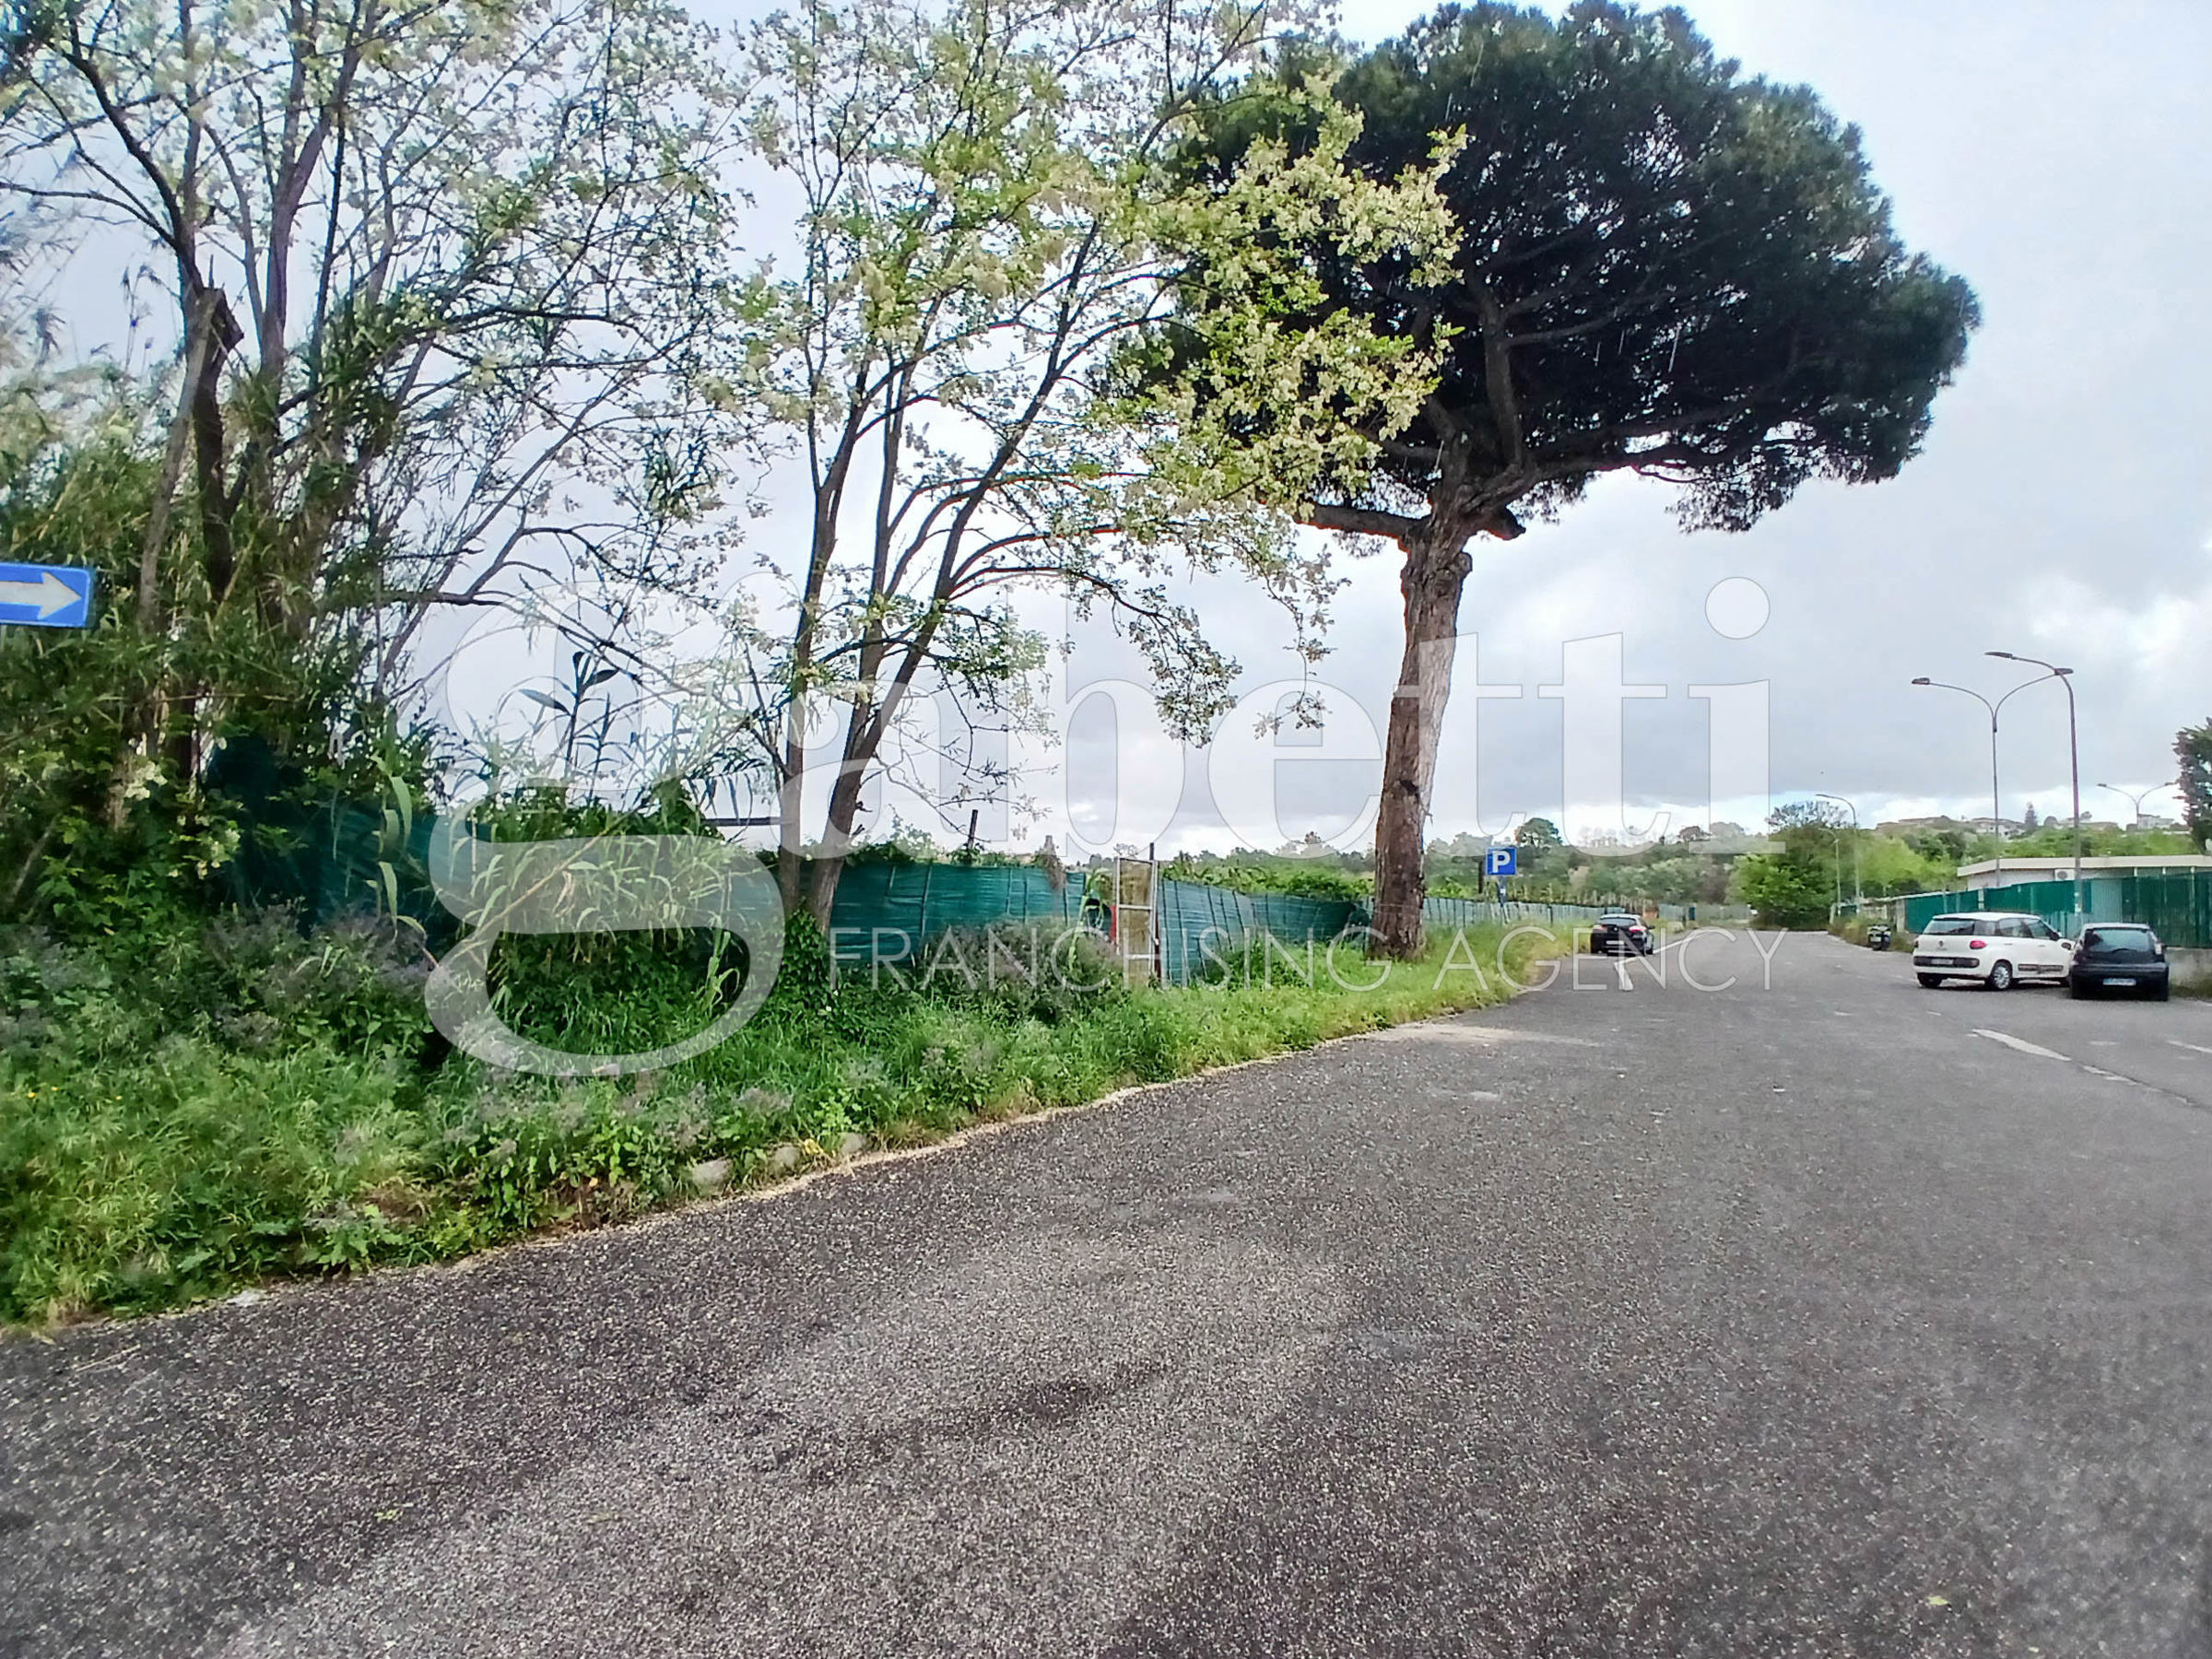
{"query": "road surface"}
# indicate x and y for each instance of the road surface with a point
(1819, 1314)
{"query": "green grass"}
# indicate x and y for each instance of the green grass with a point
(169, 1134)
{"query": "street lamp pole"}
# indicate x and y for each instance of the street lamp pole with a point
(2064, 676)
(1996, 817)
(2135, 798)
(1858, 887)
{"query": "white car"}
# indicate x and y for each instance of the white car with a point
(1997, 948)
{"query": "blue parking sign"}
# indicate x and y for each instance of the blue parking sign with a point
(46, 595)
(1501, 861)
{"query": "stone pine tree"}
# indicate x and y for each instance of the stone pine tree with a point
(1538, 835)
(1663, 267)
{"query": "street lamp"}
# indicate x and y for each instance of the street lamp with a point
(1858, 887)
(2065, 676)
(1996, 816)
(2135, 799)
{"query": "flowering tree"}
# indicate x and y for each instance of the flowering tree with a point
(988, 226)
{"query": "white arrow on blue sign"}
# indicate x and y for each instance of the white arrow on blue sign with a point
(1501, 861)
(46, 595)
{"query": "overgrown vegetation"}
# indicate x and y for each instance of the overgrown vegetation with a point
(1348, 876)
(193, 1108)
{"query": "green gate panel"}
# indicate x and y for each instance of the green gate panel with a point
(884, 911)
(2177, 906)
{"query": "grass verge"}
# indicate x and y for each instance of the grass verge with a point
(257, 1105)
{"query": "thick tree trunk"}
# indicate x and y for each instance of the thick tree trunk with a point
(1435, 574)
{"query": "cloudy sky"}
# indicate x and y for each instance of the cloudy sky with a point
(2063, 508)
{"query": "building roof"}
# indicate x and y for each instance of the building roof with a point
(2114, 866)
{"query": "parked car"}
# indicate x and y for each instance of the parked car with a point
(1998, 949)
(1877, 936)
(1620, 933)
(2120, 956)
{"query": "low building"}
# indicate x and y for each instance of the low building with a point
(1991, 872)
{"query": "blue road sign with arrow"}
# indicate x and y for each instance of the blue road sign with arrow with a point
(46, 595)
(1501, 861)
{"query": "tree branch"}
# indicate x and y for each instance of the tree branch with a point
(1359, 520)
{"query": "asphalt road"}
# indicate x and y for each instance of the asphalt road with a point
(1799, 1317)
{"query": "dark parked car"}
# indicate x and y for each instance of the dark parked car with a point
(1620, 934)
(2120, 956)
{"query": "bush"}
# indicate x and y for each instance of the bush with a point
(1784, 890)
(195, 1105)
(616, 993)
(246, 981)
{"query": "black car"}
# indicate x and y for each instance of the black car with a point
(1620, 934)
(2119, 957)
